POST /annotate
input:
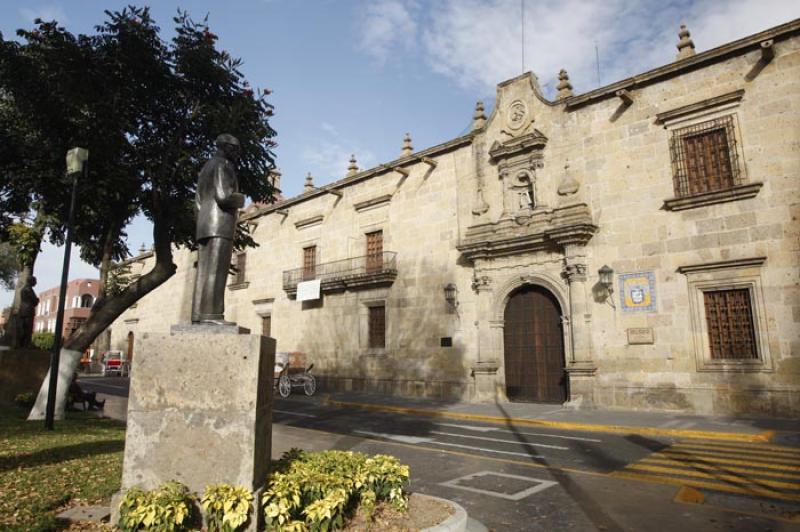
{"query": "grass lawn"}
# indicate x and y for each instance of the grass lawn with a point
(41, 471)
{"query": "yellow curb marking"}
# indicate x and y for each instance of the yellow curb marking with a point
(708, 485)
(735, 479)
(564, 425)
(722, 468)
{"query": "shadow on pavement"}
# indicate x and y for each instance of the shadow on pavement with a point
(590, 508)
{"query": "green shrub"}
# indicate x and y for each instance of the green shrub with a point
(315, 491)
(25, 400)
(43, 340)
(226, 507)
(165, 509)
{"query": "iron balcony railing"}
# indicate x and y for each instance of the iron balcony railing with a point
(379, 268)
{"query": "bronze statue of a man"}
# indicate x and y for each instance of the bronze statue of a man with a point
(218, 203)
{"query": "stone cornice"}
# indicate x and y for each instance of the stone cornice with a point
(716, 101)
(408, 160)
(569, 225)
(741, 46)
(517, 145)
(722, 265)
(739, 192)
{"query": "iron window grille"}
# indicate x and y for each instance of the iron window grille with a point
(705, 157)
(729, 317)
(240, 267)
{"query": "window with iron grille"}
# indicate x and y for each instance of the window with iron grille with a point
(374, 251)
(704, 157)
(729, 319)
(241, 266)
(309, 263)
(377, 326)
(266, 325)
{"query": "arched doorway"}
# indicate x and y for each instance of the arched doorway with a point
(534, 347)
(130, 346)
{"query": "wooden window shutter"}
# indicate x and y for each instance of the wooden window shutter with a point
(241, 267)
(377, 326)
(729, 318)
(309, 263)
(374, 251)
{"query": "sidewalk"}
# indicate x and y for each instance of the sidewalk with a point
(669, 424)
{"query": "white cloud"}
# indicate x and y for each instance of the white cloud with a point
(385, 26)
(46, 12)
(477, 43)
(328, 159)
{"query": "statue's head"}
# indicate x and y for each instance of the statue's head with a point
(229, 146)
(33, 281)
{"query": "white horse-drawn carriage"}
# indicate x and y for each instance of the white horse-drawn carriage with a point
(291, 372)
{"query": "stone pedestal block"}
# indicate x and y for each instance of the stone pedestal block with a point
(581, 384)
(484, 374)
(199, 411)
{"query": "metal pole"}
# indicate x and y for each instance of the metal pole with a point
(55, 356)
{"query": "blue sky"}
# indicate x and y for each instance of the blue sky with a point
(352, 76)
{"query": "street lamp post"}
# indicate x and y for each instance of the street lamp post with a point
(76, 165)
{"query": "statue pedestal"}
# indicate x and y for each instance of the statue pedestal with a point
(199, 411)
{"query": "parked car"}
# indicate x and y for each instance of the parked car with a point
(114, 362)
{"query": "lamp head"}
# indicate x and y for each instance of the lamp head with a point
(76, 158)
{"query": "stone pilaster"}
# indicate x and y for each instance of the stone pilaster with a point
(581, 366)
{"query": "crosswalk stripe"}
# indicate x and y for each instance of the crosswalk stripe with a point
(707, 485)
(735, 479)
(685, 457)
(723, 468)
(750, 450)
(739, 445)
(737, 454)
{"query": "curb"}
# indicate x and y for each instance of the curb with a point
(455, 523)
(760, 437)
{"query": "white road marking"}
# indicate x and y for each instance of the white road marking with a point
(526, 455)
(396, 437)
(467, 427)
(289, 413)
(525, 444)
(497, 429)
(539, 485)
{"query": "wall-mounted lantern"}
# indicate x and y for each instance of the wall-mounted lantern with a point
(451, 295)
(607, 281)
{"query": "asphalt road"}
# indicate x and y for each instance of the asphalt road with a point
(525, 478)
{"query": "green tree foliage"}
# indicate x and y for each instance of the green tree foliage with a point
(44, 340)
(8, 266)
(148, 110)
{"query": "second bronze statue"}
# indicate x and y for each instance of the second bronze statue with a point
(218, 202)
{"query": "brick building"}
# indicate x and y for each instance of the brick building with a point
(81, 295)
(635, 246)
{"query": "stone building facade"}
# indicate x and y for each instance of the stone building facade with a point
(635, 246)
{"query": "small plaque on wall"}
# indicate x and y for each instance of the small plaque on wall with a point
(641, 335)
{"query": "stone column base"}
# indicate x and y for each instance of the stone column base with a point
(581, 384)
(199, 412)
(484, 374)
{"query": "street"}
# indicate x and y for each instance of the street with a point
(533, 478)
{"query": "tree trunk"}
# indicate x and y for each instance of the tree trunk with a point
(101, 318)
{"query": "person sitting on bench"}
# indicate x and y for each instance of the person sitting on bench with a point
(77, 395)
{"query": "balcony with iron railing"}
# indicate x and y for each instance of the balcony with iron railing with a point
(379, 269)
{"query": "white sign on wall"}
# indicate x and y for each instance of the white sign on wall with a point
(308, 290)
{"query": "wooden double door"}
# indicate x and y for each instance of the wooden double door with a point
(534, 347)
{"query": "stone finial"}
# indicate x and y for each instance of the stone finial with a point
(408, 148)
(479, 117)
(568, 185)
(142, 249)
(564, 86)
(275, 177)
(352, 168)
(309, 185)
(685, 45)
